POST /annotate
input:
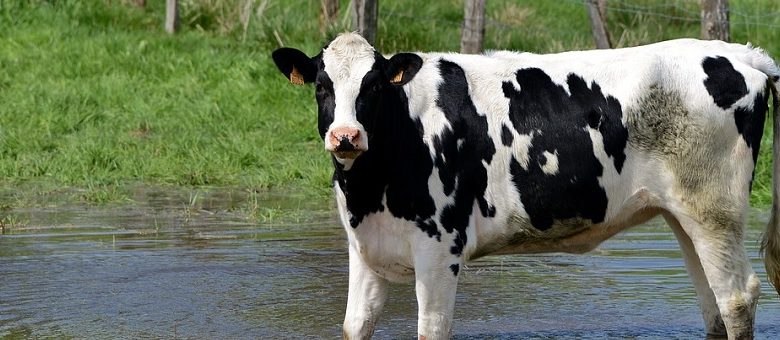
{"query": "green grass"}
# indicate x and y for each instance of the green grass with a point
(95, 96)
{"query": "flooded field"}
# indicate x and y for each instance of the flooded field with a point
(168, 268)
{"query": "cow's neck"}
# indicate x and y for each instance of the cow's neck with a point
(393, 174)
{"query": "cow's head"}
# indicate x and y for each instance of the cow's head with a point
(352, 81)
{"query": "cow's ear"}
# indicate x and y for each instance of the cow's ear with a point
(402, 67)
(295, 65)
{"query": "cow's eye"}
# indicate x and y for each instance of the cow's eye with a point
(322, 89)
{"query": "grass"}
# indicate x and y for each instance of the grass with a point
(94, 102)
(95, 96)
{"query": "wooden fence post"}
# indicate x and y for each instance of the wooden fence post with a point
(364, 21)
(171, 16)
(603, 11)
(328, 15)
(473, 35)
(597, 10)
(715, 20)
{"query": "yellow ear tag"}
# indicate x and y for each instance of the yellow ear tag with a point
(398, 77)
(296, 77)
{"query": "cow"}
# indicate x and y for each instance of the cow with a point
(441, 158)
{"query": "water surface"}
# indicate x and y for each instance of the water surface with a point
(167, 268)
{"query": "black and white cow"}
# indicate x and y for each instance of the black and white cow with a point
(441, 158)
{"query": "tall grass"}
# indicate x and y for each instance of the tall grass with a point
(94, 94)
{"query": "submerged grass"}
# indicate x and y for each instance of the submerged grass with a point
(95, 96)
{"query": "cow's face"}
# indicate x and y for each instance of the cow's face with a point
(352, 80)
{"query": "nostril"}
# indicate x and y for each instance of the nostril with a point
(342, 134)
(345, 145)
(345, 142)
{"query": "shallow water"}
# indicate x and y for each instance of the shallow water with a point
(160, 269)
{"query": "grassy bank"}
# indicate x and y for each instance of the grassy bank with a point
(95, 96)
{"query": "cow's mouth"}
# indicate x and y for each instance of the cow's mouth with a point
(347, 154)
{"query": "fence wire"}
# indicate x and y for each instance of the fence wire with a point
(691, 12)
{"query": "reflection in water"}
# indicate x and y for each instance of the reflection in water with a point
(151, 271)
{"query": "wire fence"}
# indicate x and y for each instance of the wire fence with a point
(690, 10)
(403, 27)
(684, 15)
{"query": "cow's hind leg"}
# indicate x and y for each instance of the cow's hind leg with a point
(709, 307)
(718, 242)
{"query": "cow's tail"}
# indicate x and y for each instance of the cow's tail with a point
(770, 244)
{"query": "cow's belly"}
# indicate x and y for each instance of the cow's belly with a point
(628, 198)
(516, 235)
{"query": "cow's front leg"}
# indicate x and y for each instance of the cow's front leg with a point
(436, 283)
(367, 295)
